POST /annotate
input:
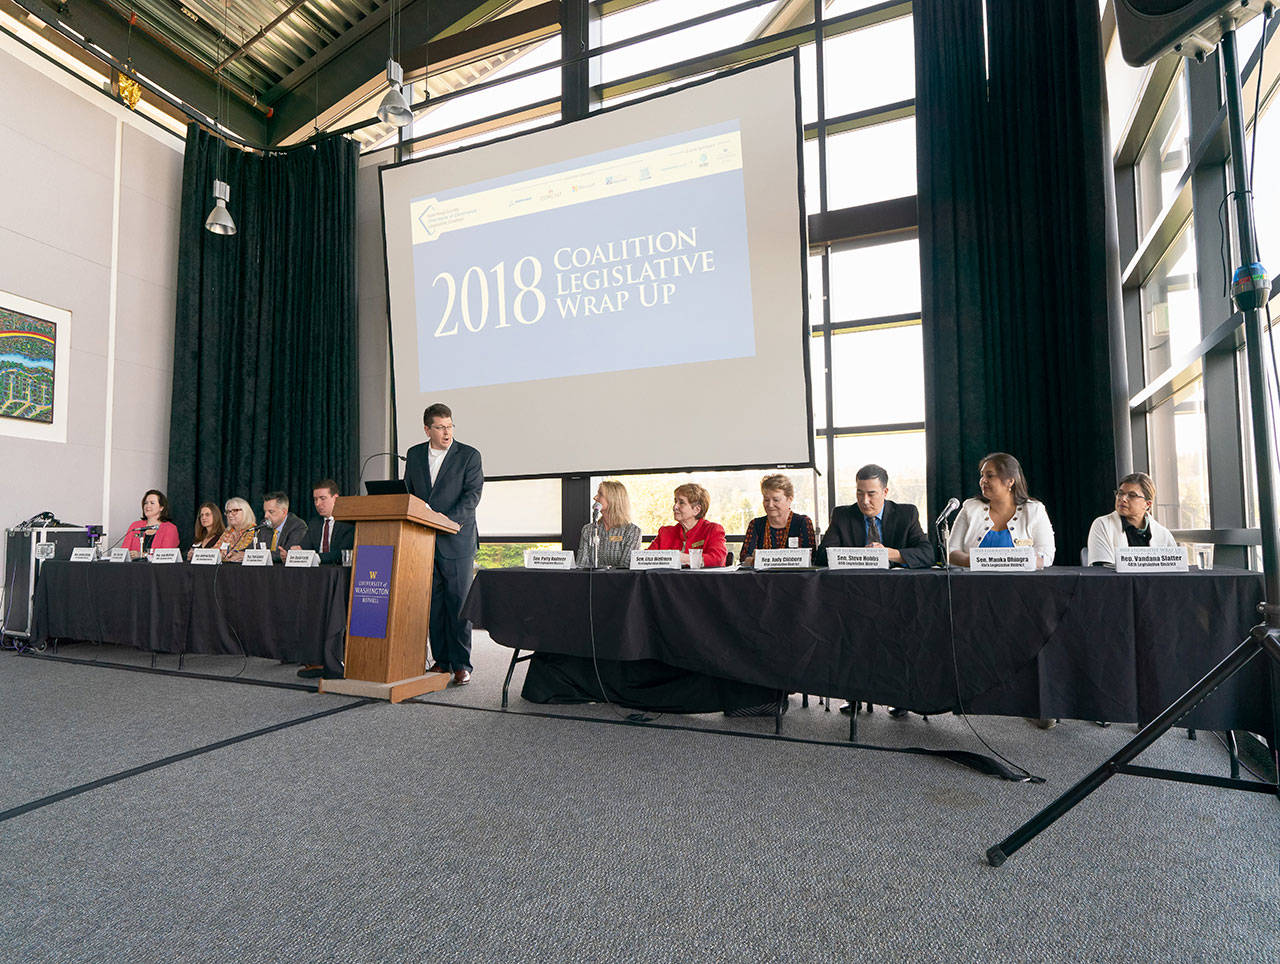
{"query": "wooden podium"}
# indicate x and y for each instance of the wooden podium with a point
(397, 533)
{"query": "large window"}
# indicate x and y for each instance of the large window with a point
(1190, 411)
(865, 357)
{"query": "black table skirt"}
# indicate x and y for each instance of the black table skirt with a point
(298, 615)
(1067, 642)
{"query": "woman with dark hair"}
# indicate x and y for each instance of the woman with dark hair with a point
(153, 530)
(209, 528)
(1003, 516)
(1131, 524)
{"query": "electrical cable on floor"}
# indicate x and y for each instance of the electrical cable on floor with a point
(222, 615)
(1027, 775)
(635, 716)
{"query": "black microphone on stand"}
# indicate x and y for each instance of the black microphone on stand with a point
(106, 552)
(944, 535)
(951, 507)
(370, 459)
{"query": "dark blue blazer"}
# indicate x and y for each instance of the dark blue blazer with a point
(455, 494)
(899, 529)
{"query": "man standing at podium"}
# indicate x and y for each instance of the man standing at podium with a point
(447, 476)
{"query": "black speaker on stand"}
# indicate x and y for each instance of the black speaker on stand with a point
(1155, 27)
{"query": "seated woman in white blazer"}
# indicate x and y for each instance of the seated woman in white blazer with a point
(1131, 524)
(1003, 516)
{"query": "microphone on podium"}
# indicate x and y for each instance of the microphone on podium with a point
(370, 459)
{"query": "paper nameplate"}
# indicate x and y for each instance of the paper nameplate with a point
(1151, 559)
(857, 557)
(548, 559)
(84, 554)
(45, 550)
(655, 559)
(302, 558)
(1014, 559)
(783, 558)
(119, 554)
(166, 555)
(206, 557)
(256, 557)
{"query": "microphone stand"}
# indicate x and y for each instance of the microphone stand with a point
(1265, 637)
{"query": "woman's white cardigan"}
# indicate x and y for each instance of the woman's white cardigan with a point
(1030, 521)
(1107, 532)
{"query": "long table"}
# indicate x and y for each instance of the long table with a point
(1066, 642)
(276, 612)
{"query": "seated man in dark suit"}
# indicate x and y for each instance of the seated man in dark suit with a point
(286, 528)
(326, 535)
(875, 521)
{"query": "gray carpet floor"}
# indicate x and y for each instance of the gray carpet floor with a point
(443, 830)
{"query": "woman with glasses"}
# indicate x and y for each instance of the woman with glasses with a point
(238, 535)
(1130, 525)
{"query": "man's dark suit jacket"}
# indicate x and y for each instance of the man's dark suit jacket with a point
(342, 537)
(455, 494)
(292, 533)
(899, 529)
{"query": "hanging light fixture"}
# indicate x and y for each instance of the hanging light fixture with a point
(394, 108)
(219, 220)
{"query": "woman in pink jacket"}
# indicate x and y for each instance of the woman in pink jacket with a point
(153, 530)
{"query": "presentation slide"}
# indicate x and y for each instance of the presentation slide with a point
(614, 276)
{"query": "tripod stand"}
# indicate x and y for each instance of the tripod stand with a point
(1263, 638)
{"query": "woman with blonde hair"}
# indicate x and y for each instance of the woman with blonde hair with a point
(779, 527)
(692, 530)
(609, 541)
(240, 530)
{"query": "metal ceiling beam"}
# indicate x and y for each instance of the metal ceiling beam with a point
(352, 60)
(156, 61)
(244, 47)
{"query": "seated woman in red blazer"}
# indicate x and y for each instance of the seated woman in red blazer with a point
(692, 530)
(153, 530)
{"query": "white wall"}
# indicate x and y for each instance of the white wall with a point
(89, 223)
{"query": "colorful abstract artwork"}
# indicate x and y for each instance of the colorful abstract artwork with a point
(27, 366)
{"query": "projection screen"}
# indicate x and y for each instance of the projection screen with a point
(621, 293)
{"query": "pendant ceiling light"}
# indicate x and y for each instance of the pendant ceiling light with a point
(219, 220)
(394, 108)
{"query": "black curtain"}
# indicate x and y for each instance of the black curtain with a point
(1013, 191)
(265, 367)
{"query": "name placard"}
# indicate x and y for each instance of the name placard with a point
(206, 557)
(1015, 559)
(783, 558)
(1151, 559)
(165, 556)
(45, 550)
(83, 554)
(302, 558)
(655, 559)
(857, 557)
(548, 559)
(119, 554)
(256, 557)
